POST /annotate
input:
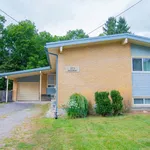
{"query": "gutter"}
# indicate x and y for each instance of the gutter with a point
(47, 53)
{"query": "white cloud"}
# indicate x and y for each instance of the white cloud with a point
(59, 16)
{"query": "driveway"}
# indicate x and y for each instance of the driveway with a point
(13, 114)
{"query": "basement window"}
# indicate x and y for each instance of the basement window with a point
(138, 101)
(141, 100)
(147, 101)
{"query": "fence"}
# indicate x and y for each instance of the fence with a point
(3, 96)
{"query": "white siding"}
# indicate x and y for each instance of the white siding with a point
(141, 84)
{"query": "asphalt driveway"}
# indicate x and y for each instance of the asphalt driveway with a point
(13, 114)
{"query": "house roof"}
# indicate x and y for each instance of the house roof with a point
(132, 37)
(24, 71)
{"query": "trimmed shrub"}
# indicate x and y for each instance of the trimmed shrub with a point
(103, 104)
(117, 104)
(77, 106)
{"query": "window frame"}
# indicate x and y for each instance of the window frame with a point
(143, 101)
(142, 64)
(51, 85)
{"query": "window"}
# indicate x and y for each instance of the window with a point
(137, 64)
(147, 101)
(51, 80)
(141, 64)
(146, 64)
(138, 101)
(141, 100)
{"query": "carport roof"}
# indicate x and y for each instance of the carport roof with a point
(25, 71)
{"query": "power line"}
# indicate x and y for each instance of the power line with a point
(9, 16)
(116, 16)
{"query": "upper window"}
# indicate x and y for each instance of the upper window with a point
(137, 64)
(141, 64)
(146, 64)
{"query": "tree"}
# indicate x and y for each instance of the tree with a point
(2, 21)
(20, 43)
(110, 26)
(75, 34)
(38, 58)
(101, 34)
(122, 26)
(3, 52)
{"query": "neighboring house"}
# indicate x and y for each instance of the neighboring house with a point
(120, 62)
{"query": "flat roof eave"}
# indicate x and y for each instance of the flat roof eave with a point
(100, 39)
(25, 72)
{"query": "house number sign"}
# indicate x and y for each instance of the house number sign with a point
(72, 68)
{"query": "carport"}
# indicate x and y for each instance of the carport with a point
(30, 84)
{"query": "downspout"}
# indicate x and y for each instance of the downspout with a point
(56, 111)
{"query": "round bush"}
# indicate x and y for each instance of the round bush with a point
(117, 104)
(77, 106)
(103, 103)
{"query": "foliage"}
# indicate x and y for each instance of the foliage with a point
(103, 104)
(2, 84)
(38, 58)
(122, 26)
(3, 52)
(77, 106)
(76, 34)
(112, 26)
(117, 104)
(19, 40)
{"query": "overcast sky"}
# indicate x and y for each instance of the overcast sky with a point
(59, 16)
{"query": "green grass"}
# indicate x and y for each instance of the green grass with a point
(131, 132)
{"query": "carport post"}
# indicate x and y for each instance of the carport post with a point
(40, 84)
(7, 82)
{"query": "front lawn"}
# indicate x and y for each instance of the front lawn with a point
(130, 132)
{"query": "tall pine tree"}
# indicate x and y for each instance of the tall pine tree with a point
(122, 26)
(112, 26)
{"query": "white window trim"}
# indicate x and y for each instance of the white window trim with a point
(142, 57)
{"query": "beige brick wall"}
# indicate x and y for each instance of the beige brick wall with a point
(102, 68)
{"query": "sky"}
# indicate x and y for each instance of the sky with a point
(60, 16)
